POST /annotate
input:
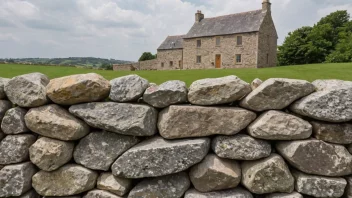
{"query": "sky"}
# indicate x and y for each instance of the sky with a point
(124, 29)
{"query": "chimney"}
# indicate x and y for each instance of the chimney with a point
(266, 6)
(199, 16)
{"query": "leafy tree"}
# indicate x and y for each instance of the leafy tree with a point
(107, 66)
(147, 56)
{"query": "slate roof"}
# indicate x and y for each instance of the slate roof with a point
(172, 42)
(228, 24)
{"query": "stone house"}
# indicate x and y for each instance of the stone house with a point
(242, 40)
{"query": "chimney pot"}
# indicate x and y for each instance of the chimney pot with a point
(199, 16)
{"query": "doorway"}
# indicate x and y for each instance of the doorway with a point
(218, 61)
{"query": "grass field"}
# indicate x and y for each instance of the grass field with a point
(308, 72)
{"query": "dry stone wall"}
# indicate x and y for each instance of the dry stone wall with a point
(83, 136)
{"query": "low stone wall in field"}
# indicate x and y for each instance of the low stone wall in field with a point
(83, 136)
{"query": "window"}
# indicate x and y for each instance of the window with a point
(239, 40)
(199, 59)
(199, 43)
(171, 63)
(238, 58)
(217, 41)
(162, 64)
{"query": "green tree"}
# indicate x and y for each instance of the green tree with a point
(147, 56)
(107, 66)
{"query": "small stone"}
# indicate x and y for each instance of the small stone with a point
(267, 175)
(318, 186)
(55, 122)
(14, 148)
(4, 106)
(49, 154)
(213, 91)
(240, 147)
(166, 94)
(13, 121)
(333, 133)
(100, 194)
(30, 194)
(181, 121)
(123, 118)
(285, 195)
(16, 179)
(214, 173)
(233, 193)
(170, 186)
(28, 90)
(116, 185)
(98, 150)
(256, 83)
(317, 157)
(158, 157)
(276, 125)
(276, 94)
(3, 82)
(331, 105)
(128, 88)
(349, 187)
(70, 179)
(323, 85)
(78, 88)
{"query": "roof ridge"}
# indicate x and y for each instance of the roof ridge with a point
(176, 35)
(234, 14)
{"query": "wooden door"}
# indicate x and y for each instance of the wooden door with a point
(218, 61)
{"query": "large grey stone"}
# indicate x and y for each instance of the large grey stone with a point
(212, 91)
(13, 121)
(116, 185)
(214, 173)
(331, 84)
(180, 121)
(126, 119)
(166, 94)
(28, 90)
(333, 133)
(98, 150)
(14, 148)
(276, 125)
(267, 175)
(49, 154)
(4, 106)
(233, 193)
(16, 179)
(284, 195)
(3, 82)
(128, 88)
(70, 179)
(55, 122)
(318, 186)
(78, 88)
(30, 194)
(170, 186)
(100, 194)
(331, 105)
(157, 157)
(317, 157)
(240, 147)
(276, 93)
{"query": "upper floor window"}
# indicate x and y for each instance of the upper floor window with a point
(171, 63)
(217, 41)
(239, 40)
(199, 43)
(238, 58)
(199, 59)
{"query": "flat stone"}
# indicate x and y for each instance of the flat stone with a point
(78, 88)
(14, 148)
(15, 180)
(126, 119)
(13, 121)
(276, 125)
(276, 94)
(255, 83)
(333, 133)
(317, 157)
(240, 147)
(100, 194)
(166, 94)
(285, 195)
(318, 186)
(55, 122)
(49, 154)
(180, 121)
(116, 185)
(348, 189)
(267, 175)
(70, 179)
(214, 173)
(3, 82)
(4, 106)
(128, 88)
(170, 186)
(158, 157)
(212, 91)
(28, 90)
(331, 105)
(98, 150)
(233, 193)
(332, 84)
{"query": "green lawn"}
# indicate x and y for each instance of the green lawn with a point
(308, 72)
